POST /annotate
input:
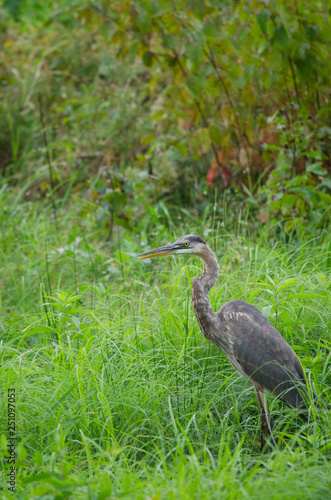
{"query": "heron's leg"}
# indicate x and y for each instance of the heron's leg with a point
(266, 424)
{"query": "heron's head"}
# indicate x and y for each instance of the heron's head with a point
(187, 244)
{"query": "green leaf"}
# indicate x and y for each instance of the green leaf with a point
(326, 183)
(316, 168)
(195, 83)
(210, 30)
(289, 226)
(266, 311)
(325, 198)
(158, 115)
(198, 7)
(203, 138)
(262, 19)
(200, 38)
(216, 134)
(286, 202)
(168, 41)
(308, 194)
(194, 53)
(318, 155)
(148, 58)
(287, 283)
(76, 321)
(146, 139)
(281, 36)
(132, 52)
(143, 21)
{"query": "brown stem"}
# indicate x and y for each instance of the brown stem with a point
(318, 103)
(294, 79)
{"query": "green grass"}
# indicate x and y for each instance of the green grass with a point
(118, 393)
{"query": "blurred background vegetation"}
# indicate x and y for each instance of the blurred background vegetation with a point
(131, 107)
(123, 125)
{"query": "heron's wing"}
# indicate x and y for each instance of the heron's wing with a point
(262, 353)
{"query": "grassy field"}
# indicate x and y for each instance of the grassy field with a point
(119, 395)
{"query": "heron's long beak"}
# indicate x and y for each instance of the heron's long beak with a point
(158, 252)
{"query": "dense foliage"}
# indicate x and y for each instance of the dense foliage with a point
(126, 124)
(132, 103)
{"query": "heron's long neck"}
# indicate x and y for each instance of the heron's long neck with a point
(204, 313)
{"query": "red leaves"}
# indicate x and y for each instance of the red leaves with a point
(224, 172)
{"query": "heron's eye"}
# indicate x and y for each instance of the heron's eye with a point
(186, 243)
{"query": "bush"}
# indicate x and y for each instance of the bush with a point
(142, 102)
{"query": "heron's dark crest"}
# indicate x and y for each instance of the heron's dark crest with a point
(247, 338)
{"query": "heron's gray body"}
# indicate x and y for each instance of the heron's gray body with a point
(250, 342)
(248, 339)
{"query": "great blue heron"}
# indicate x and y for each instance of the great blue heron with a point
(249, 341)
